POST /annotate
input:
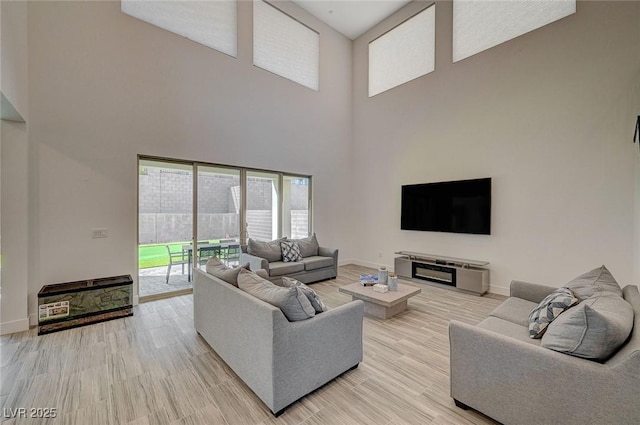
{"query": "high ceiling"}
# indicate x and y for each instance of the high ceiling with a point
(351, 17)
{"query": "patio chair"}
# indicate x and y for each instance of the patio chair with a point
(174, 259)
(233, 254)
(208, 251)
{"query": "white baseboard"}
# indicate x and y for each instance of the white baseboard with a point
(499, 290)
(364, 263)
(14, 326)
(33, 320)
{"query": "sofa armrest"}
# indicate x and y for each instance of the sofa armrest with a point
(530, 291)
(494, 373)
(330, 252)
(255, 263)
(327, 252)
(311, 352)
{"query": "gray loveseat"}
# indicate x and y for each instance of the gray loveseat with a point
(280, 361)
(499, 371)
(317, 263)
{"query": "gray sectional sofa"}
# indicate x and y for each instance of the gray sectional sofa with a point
(317, 263)
(497, 369)
(280, 361)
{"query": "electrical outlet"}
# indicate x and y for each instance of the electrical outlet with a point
(99, 233)
(379, 255)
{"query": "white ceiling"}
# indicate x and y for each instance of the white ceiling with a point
(351, 17)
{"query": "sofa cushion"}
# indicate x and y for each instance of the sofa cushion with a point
(220, 270)
(515, 310)
(507, 328)
(594, 329)
(270, 251)
(280, 268)
(549, 309)
(308, 246)
(314, 299)
(290, 251)
(592, 282)
(262, 273)
(316, 262)
(292, 301)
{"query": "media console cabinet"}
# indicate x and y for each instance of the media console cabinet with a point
(467, 275)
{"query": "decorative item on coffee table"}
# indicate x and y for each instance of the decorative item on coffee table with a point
(368, 279)
(392, 282)
(383, 273)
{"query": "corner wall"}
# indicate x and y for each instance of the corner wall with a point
(546, 115)
(105, 87)
(14, 174)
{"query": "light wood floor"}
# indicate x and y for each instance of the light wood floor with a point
(153, 368)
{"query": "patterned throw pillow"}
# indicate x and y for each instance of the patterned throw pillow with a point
(549, 309)
(313, 297)
(290, 251)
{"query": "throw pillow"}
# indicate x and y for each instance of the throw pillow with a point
(594, 329)
(293, 303)
(313, 297)
(595, 281)
(290, 251)
(308, 246)
(262, 273)
(270, 251)
(549, 308)
(220, 270)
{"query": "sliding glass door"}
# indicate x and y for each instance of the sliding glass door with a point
(189, 212)
(262, 214)
(219, 204)
(165, 226)
(296, 206)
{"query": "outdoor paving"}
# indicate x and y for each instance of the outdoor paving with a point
(153, 281)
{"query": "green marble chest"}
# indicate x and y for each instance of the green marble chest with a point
(72, 304)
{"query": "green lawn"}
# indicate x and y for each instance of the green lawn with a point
(155, 255)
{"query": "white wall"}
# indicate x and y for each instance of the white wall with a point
(15, 255)
(546, 115)
(105, 87)
(14, 175)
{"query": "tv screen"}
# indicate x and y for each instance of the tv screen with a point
(462, 206)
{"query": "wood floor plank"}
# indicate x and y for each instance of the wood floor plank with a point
(154, 369)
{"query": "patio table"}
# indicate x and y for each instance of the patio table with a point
(204, 247)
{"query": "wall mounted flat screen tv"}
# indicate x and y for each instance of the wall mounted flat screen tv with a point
(462, 206)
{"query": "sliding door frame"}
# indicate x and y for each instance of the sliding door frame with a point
(243, 235)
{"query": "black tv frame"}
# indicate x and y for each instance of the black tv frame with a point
(440, 206)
